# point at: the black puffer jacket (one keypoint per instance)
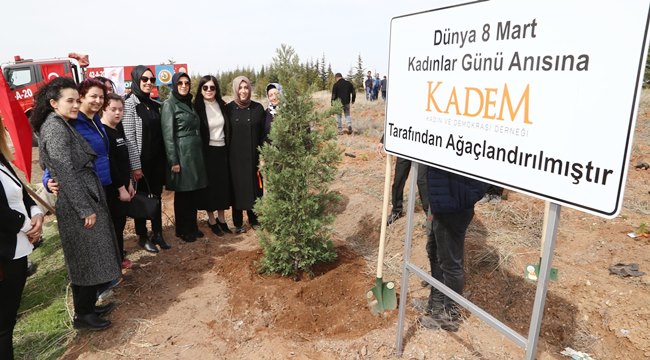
(450, 192)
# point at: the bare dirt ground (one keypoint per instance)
(205, 300)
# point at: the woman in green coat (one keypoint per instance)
(185, 167)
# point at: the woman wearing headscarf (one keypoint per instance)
(20, 227)
(214, 126)
(88, 239)
(246, 134)
(273, 92)
(144, 139)
(183, 146)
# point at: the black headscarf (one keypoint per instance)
(136, 74)
(187, 99)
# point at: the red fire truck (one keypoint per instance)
(26, 76)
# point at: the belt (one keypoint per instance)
(185, 133)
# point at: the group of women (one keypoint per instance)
(99, 150)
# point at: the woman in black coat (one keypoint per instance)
(214, 126)
(20, 227)
(246, 134)
(143, 131)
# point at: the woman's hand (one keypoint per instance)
(53, 186)
(90, 221)
(380, 149)
(131, 190)
(137, 174)
(176, 168)
(123, 194)
(34, 233)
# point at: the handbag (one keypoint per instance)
(144, 205)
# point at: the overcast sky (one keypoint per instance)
(208, 35)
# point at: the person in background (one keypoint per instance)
(20, 227)
(214, 126)
(343, 91)
(383, 84)
(110, 85)
(245, 136)
(122, 186)
(375, 87)
(144, 140)
(88, 240)
(368, 86)
(273, 92)
(451, 202)
(402, 170)
(185, 165)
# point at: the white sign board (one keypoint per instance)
(539, 96)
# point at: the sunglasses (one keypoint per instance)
(145, 79)
(209, 88)
(183, 83)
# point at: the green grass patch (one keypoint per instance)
(43, 329)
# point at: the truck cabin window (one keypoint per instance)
(19, 77)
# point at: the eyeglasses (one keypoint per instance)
(209, 88)
(183, 83)
(145, 79)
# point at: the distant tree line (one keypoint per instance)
(315, 74)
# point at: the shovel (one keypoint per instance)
(382, 296)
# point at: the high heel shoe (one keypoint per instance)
(157, 238)
(216, 229)
(224, 227)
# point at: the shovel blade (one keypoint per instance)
(382, 297)
(388, 296)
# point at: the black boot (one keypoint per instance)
(146, 244)
(157, 239)
(224, 227)
(91, 322)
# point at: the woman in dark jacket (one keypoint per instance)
(21, 226)
(214, 126)
(185, 166)
(246, 134)
(88, 239)
(146, 150)
(120, 192)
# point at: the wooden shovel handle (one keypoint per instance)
(384, 217)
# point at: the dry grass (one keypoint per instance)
(583, 339)
(525, 217)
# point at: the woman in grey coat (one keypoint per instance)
(87, 236)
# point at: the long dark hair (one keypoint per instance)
(50, 91)
(199, 106)
(198, 99)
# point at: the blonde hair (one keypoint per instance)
(4, 147)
